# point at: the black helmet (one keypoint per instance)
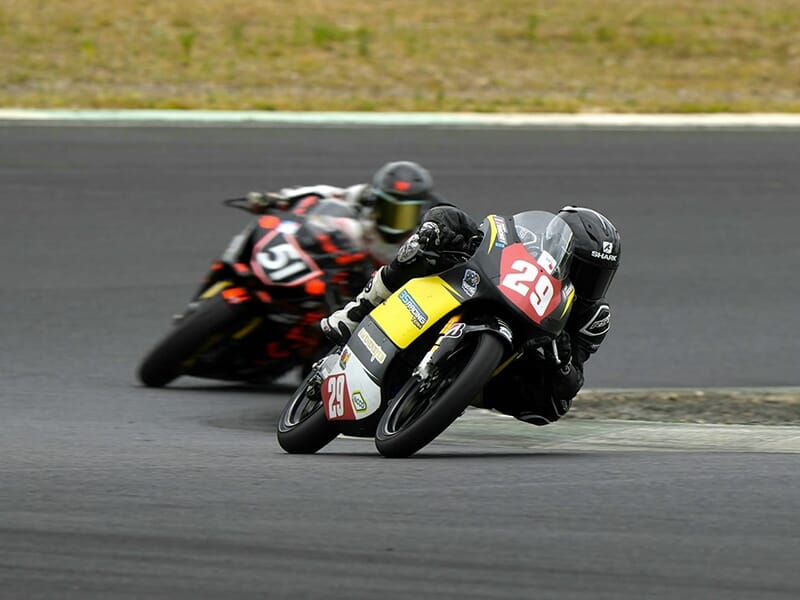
(596, 251)
(400, 193)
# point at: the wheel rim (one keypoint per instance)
(303, 404)
(411, 402)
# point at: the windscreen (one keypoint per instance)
(548, 239)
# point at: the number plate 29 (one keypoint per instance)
(527, 285)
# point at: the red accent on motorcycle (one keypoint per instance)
(527, 285)
(269, 222)
(315, 287)
(402, 186)
(350, 258)
(305, 204)
(336, 398)
(327, 244)
(312, 318)
(275, 350)
(236, 295)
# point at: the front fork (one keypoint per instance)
(450, 337)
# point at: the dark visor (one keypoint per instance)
(591, 282)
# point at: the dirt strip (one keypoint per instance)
(769, 406)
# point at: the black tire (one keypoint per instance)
(413, 420)
(303, 427)
(165, 361)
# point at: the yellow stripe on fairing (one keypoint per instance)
(511, 358)
(492, 232)
(247, 329)
(433, 296)
(570, 298)
(459, 296)
(215, 289)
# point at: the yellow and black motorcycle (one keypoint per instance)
(420, 358)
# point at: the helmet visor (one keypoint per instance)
(396, 216)
(591, 282)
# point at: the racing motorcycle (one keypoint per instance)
(420, 358)
(256, 314)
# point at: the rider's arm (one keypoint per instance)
(587, 326)
(540, 393)
(288, 198)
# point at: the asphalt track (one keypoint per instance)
(109, 490)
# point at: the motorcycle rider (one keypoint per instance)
(539, 386)
(387, 210)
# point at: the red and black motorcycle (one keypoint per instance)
(257, 312)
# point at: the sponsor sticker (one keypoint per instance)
(418, 316)
(608, 247)
(358, 401)
(502, 232)
(344, 357)
(470, 282)
(455, 330)
(375, 351)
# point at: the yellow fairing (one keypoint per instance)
(414, 308)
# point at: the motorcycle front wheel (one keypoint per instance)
(303, 427)
(198, 329)
(418, 414)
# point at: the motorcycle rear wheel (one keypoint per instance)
(415, 417)
(303, 427)
(164, 362)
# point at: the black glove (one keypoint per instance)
(435, 236)
(559, 352)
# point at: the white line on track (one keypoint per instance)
(580, 120)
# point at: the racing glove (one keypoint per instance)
(434, 236)
(558, 354)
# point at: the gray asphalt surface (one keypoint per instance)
(110, 490)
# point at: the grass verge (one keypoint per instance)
(415, 55)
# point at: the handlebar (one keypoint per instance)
(436, 255)
(240, 203)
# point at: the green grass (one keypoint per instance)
(464, 55)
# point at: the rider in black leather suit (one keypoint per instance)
(540, 385)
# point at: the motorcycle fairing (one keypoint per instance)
(349, 391)
(374, 349)
(498, 251)
(526, 283)
(414, 308)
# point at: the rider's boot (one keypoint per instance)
(339, 326)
